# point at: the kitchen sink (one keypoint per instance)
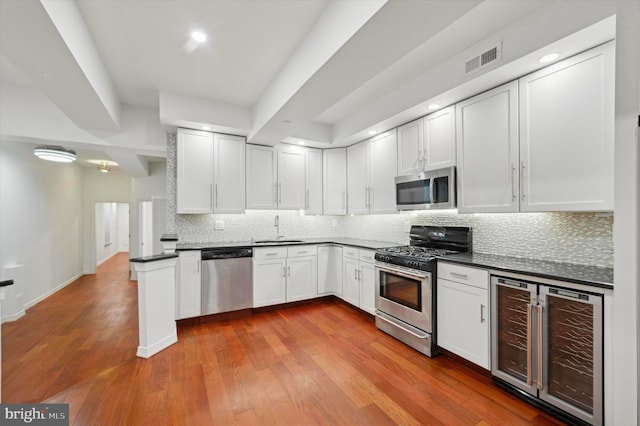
(277, 241)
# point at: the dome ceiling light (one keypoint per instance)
(104, 168)
(55, 153)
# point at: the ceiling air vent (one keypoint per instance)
(483, 59)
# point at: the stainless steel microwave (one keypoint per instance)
(435, 189)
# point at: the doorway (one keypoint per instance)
(111, 230)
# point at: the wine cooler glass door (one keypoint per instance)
(572, 352)
(512, 341)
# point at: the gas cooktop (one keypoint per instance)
(426, 244)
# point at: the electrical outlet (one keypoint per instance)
(218, 225)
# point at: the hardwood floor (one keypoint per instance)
(322, 363)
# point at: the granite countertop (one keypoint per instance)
(365, 244)
(153, 258)
(580, 274)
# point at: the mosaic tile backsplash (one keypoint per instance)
(581, 238)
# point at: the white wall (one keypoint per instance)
(123, 227)
(112, 187)
(106, 216)
(40, 219)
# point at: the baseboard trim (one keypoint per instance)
(52, 291)
(107, 258)
(14, 317)
(146, 352)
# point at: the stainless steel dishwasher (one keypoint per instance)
(227, 279)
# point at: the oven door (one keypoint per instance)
(405, 294)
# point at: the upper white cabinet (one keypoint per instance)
(371, 169)
(566, 134)
(313, 201)
(229, 175)
(194, 174)
(276, 177)
(334, 176)
(428, 143)
(487, 151)
(261, 167)
(291, 177)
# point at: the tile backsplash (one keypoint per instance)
(581, 238)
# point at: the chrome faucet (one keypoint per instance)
(277, 225)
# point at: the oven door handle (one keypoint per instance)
(402, 326)
(402, 273)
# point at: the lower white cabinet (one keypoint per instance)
(188, 284)
(463, 314)
(330, 270)
(284, 274)
(359, 278)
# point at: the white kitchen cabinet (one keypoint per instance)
(463, 314)
(291, 177)
(284, 274)
(229, 174)
(334, 176)
(261, 173)
(487, 151)
(313, 170)
(359, 278)
(330, 270)
(566, 134)
(410, 142)
(189, 284)
(371, 169)
(269, 276)
(428, 143)
(194, 172)
(439, 143)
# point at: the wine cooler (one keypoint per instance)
(547, 342)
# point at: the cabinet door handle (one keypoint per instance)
(355, 271)
(275, 193)
(522, 194)
(288, 271)
(481, 312)
(539, 332)
(529, 343)
(211, 195)
(366, 196)
(280, 192)
(271, 254)
(459, 275)
(215, 191)
(513, 182)
(284, 271)
(344, 200)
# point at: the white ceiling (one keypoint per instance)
(114, 75)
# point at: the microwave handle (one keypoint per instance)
(432, 181)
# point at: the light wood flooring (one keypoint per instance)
(323, 363)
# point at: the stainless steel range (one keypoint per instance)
(405, 281)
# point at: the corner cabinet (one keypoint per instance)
(428, 143)
(567, 133)
(291, 177)
(487, 145)
(194, 172)
(313, 179)
(188, 285)
(463, 314)
(371, 169)
(229, 175)
(334, 176)
(330, 270)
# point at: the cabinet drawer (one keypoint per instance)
(350, 252)
(367, 256)
(298, 251)
(270, 253)
(464, 275)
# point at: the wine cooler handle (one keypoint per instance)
(539, 318)
(530, 308)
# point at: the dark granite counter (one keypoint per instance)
(580, 274)
(153, 258)
(6, 283)
(365, 244)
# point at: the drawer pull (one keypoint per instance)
(459, 275)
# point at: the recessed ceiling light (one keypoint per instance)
(372, 132)
(548, 58)
(199, 36)
(55, 153)
(300, 142)
(206, 128)
(104, 168)
(100, 161)
(433, 107)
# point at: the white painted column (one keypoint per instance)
(156, 304)
(621, 358)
